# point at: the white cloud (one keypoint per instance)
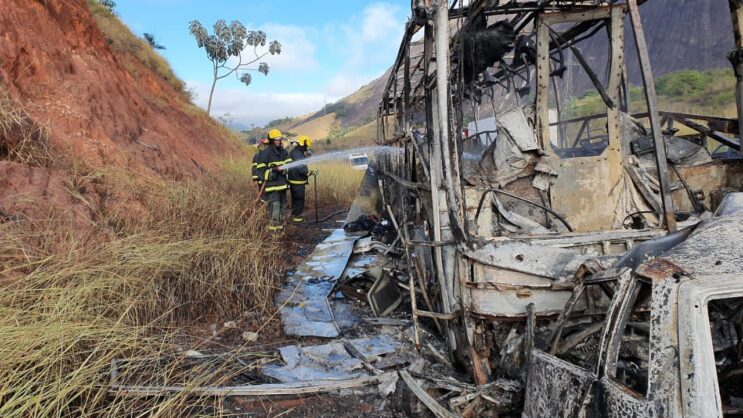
(344, 83)
(369, 42)
(379, 21)
(297, 50)
(248, 106)
(382, 26)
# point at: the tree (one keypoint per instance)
(109, 5)
(229, 42)
(226, 119)
(150, 38)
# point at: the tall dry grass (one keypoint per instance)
(22, 139)
(337, 184)
(162, 255)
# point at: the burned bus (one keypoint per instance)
(540, 190)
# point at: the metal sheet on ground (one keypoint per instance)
(303, 299)
(330, 361)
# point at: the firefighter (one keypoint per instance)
(261, 145)
(298, 176)
(270, 161)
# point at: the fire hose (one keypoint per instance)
(314, 175)
(260, 193)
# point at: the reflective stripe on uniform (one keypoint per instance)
(259, 165)
(276, 188)
(275, 163)
(275, 227)
(297, 220)
(298, 181)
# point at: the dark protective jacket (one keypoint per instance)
(267, 160)
(254, 168)
(299, 174)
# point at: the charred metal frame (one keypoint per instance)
(420, 112)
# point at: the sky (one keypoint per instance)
(330, 48)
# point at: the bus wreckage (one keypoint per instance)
(594, 257)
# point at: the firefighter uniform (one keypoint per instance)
(297, 178)
(276, 182)
(261, 145)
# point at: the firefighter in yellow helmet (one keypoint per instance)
(261, 145)
(298, 176)
(270, 161)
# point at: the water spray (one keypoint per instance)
(343, 155)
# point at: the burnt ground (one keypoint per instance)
(213, 338)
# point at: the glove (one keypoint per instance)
(277, 169)
(314, 173)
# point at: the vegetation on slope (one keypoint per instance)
(337, 184)
(175, 253)
(132, 48)
(709, 92)
(162, 256)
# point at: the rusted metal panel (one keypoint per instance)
(587, 189)
(659, 269)
(708, 177)
(483, 225)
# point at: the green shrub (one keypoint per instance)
(682, 83)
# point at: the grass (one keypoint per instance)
(22, 139)
(359, 137)
(337, 184)
(709, 92)
(132, 48)
(316, 128)
(163, 255)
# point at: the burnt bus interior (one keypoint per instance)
(508, 194)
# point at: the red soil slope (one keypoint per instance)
(57, 65)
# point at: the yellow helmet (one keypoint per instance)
(304, 141)
(274, 133)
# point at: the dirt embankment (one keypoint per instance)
(91, 106)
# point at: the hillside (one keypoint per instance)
(343, 124)
(79, 91)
